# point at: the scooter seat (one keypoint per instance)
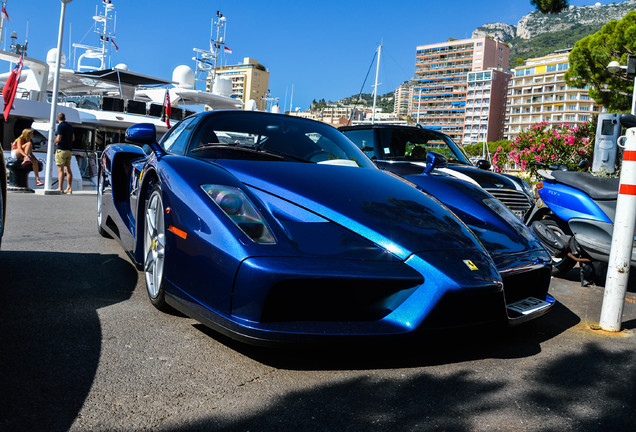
(598, 188)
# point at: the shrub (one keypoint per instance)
(551, 145)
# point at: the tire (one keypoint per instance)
(2, 212)
(564, 264)
(100, 201)
(154, 249)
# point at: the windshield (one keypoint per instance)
(236, 134)
(405, 143)
(410, 143)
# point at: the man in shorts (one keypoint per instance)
(63, 146)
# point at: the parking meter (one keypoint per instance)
(608, 130)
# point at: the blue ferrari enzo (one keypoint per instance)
(271, 228)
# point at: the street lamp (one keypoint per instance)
(56, 82)
(615, 67)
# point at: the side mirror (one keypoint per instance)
(628, 121)
(141, 133)
(483, 164)
(435, 160)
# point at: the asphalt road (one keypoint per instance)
(82, 349)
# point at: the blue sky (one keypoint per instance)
(321, 49)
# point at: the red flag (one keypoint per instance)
(116, 47)
(11, 86)
(168, 108)
(227, 50)
(5, 15)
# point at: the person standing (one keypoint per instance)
(63, 146)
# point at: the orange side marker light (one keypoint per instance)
(178, 232)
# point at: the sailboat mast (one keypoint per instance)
(375, 87)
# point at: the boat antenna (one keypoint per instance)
(206, 61)
(107, 40)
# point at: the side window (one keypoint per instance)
(363, 138)
(177, 139)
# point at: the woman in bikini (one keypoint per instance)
(22, 149)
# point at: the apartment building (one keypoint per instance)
(403, 100)
(250, 81)
(485, 106)
(441, 80)
(538, 93)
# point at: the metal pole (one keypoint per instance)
(622, 240)
(4, 3)
(375, 87)
(634, 98)
(56, 81)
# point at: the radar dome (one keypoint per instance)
(250, 105)
(183, 76)
(222, 86)
(51, 58)
(122, 66)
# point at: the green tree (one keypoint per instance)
(592, 54)
(550, 6)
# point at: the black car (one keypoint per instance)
(402, 149)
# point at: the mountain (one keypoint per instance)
(537, 23)
(538, 34)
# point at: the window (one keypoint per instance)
(171, 143)
(363, 139)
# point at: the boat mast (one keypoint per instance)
(375, 87)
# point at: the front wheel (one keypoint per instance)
(100, 203)
(563, 264)
(155, 249)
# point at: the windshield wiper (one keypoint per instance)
(253, 148)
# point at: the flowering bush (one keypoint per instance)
(556, 145)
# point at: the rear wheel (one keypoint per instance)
(561, 264)
(155, 248)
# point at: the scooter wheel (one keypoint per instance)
(563, 264)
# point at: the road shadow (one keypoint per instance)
(594, 275)
(427, 349)
(591, 390)
(50, 333)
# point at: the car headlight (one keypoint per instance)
(237, 206)
(527, 188)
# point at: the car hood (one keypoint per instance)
(486, 179)
(376, 205)
(500, 231)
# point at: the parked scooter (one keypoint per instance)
(575, 218)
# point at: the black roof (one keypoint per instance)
(118, 76)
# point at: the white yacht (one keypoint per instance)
(101, 102)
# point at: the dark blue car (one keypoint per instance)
(273, 228)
